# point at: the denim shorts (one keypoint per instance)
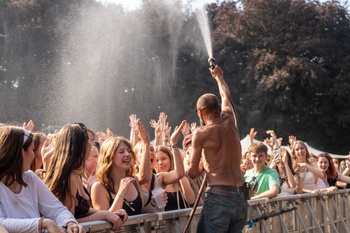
(223, 214)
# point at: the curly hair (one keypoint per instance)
(105, 161)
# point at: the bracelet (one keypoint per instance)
(41, 224)
(120, 195)
(174, 146)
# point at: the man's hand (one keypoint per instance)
(216, 72)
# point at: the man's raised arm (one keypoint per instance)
(226, 100)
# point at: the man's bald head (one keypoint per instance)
(208, 102)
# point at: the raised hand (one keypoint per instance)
(193, 127)
(166, 129)
(292, 139)
(284, 156)
(142, 132)
(103, 136)
(133, 121)
(186, 130)
(47, 150)
(30, 126)
(216, 72)
(252, 134)
(162, 118)
(175, 135)
(154, 124)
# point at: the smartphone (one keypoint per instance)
(277, 153)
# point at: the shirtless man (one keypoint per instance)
(225, 206)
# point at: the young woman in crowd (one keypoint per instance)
(27, 205)
(153, 183)
(117, 185)
(289, 179)
(171, 174)
(331, 176)
(308, 171)
(64, 176)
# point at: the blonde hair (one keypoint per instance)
(105, 161)
(294, 156)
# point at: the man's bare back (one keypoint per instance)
(217, 143)
(221, 151)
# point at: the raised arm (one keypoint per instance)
(145, 164)
(196, 168)
(179, 171)
(133, 122)
(226, 100)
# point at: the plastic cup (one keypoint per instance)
(158, 197)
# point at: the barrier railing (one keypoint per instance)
(311, 212)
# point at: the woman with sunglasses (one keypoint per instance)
(27, 205)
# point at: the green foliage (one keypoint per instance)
(297, 54)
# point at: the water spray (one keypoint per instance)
(212, 62)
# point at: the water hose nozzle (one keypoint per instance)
(212, 62)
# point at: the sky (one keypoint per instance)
(133, 4)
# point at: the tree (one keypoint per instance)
(297, 54)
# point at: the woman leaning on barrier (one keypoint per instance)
(331, 176)
(64, 176)
(117, 186)
(27, 205)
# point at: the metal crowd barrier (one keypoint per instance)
(305, 213)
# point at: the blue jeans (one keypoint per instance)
(223, 214)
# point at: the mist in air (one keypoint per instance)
(113, 63)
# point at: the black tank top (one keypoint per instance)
(172, 201)
(83, 207)
(131, 207)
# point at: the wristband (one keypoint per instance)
(174, 146)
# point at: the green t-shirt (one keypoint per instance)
(264, 180)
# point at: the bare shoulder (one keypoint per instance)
(97, 187)
(200, 132)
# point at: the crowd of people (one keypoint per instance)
(272, 170)
(54, 182)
